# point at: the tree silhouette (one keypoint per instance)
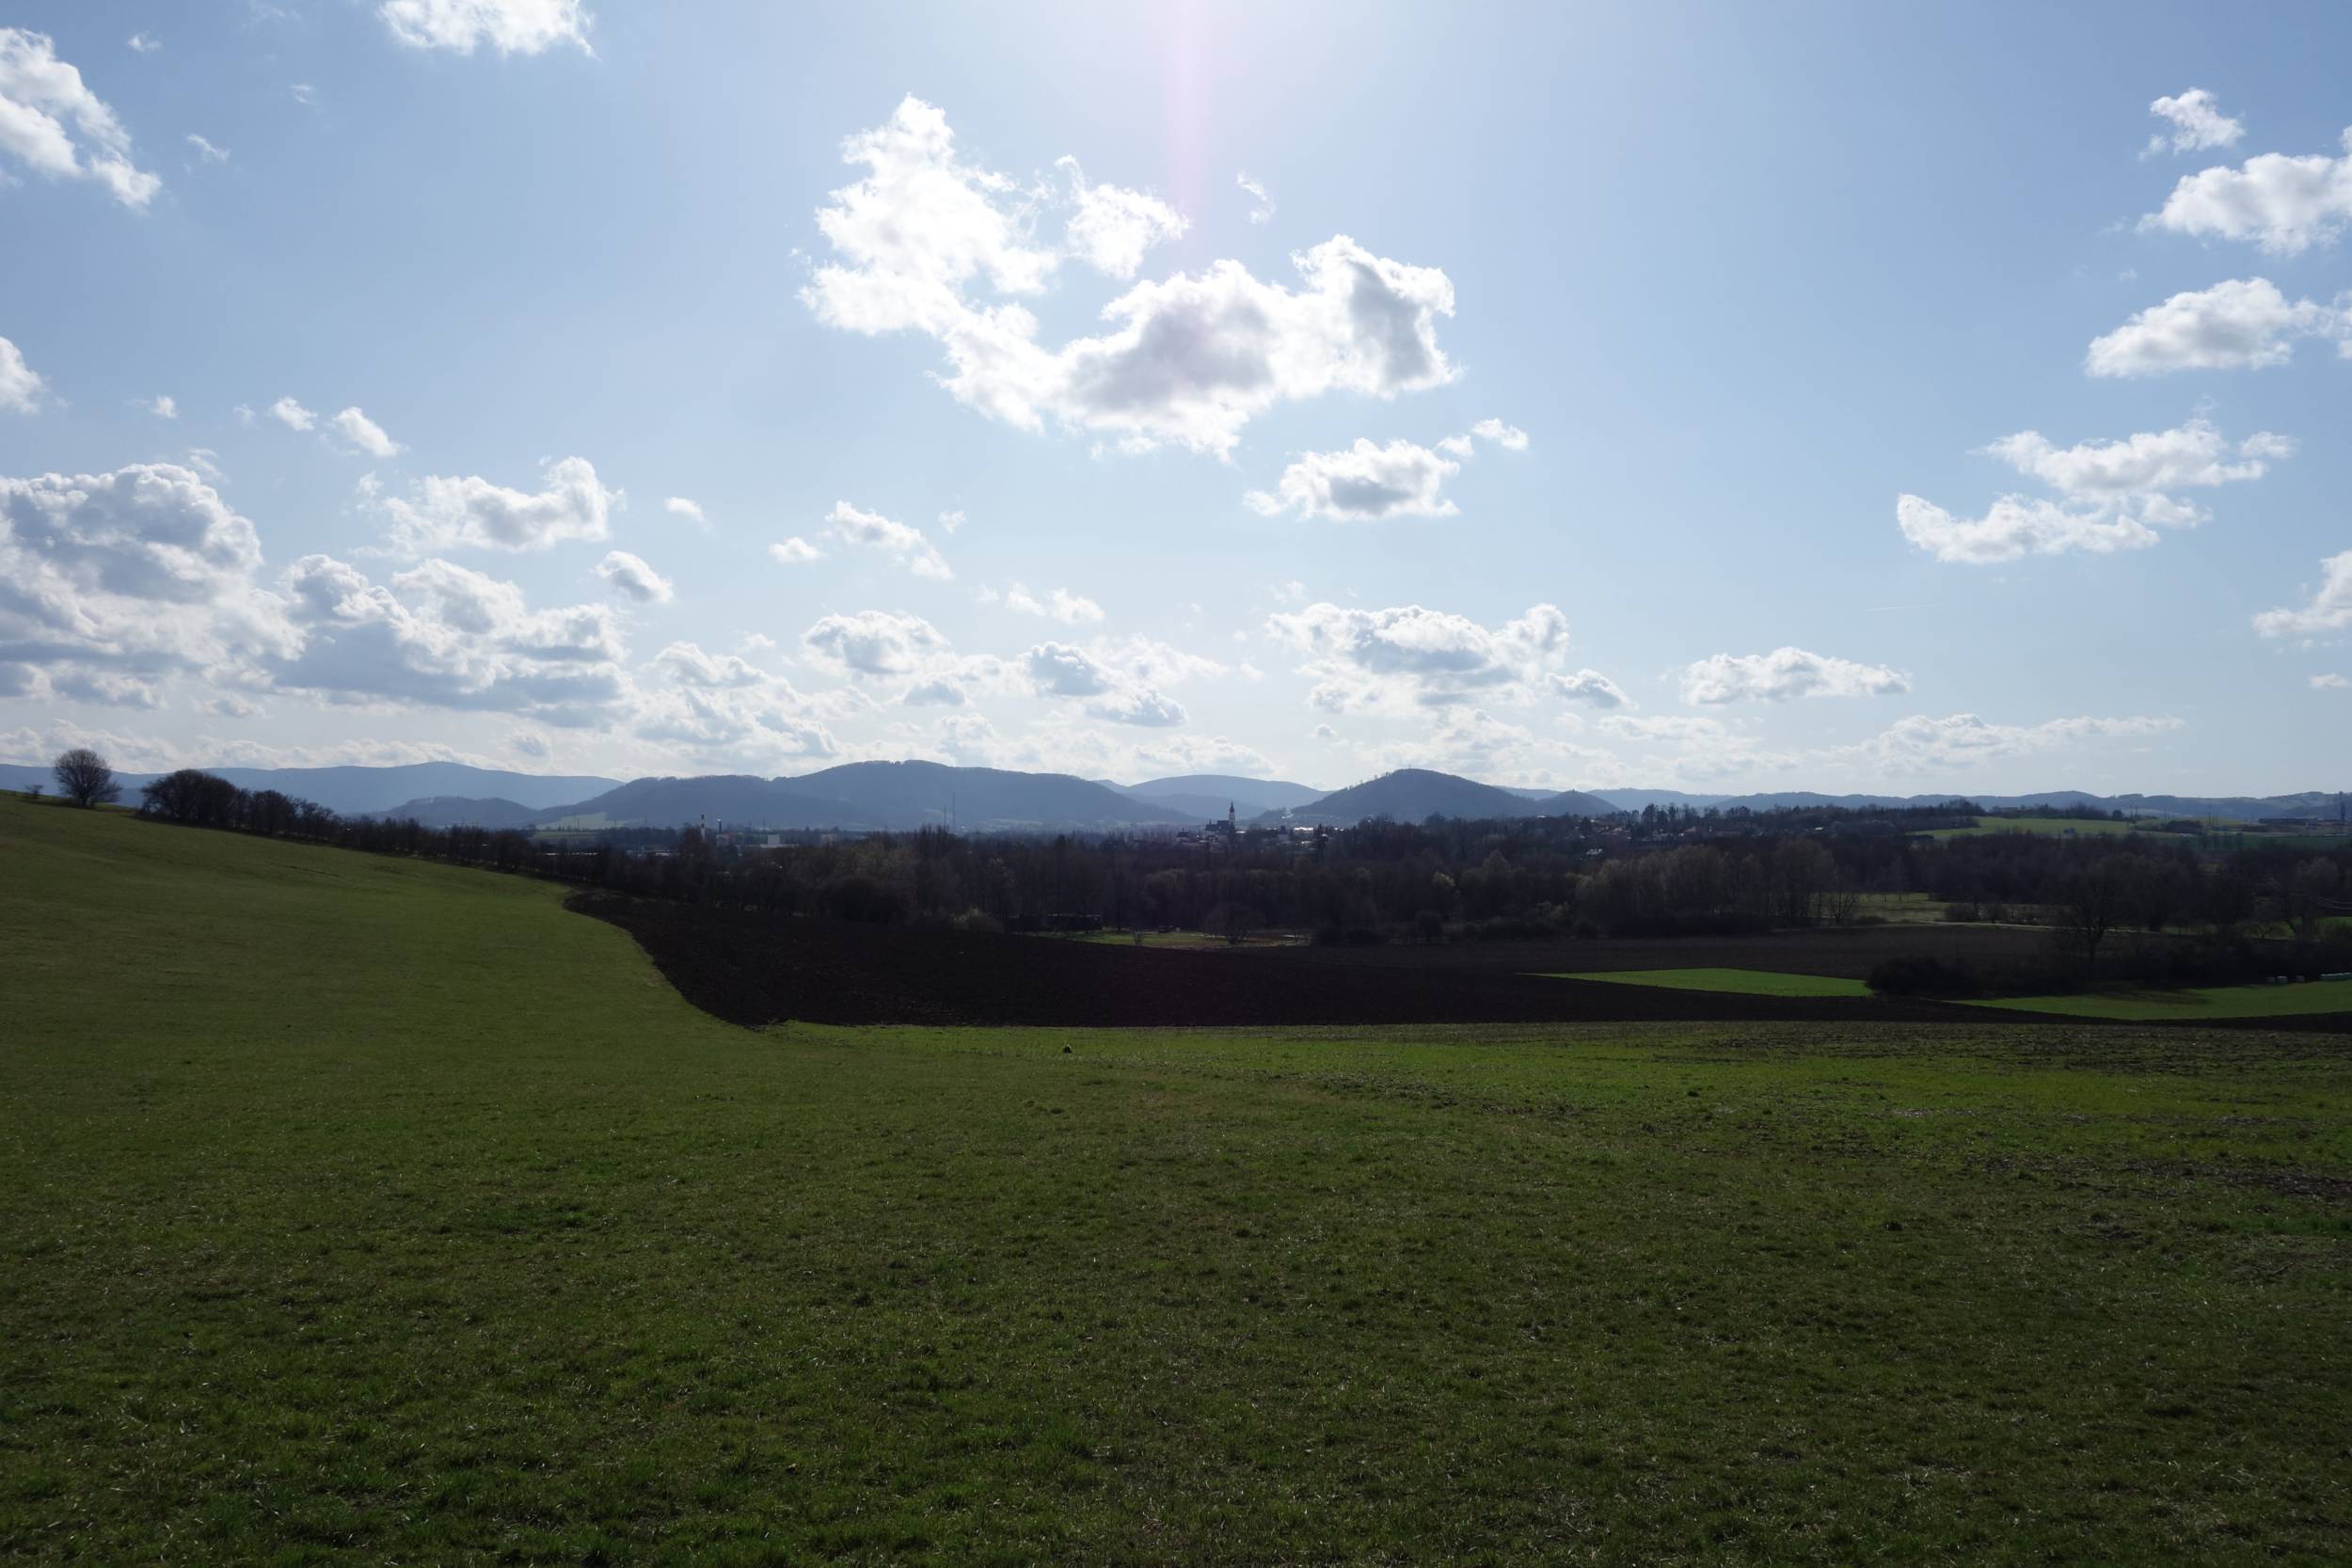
(85, 779)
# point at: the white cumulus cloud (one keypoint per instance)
(1360, 482)
(286, 411)
(21, 385)
(55, 126)
(1784, 674)
(873, 644)
(2243, 324)
(1188, 360)
(795, 552)
(140, 572)
(2110, 496)
(1408, 660)
(901, 542)
(2284, 204)
(364, 435)
(2198, 123)
(472, 512)
(630, 576)
(1111, 228)
(509, 26)
(2329, 609)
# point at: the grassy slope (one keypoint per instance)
(2217, 1001)
(1745, 982)
(359, 1211)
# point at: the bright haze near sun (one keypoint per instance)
(1875, 397)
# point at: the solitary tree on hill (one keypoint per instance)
(84, 778)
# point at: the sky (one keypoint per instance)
(1834, 397)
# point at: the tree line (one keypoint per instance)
(1662, 874)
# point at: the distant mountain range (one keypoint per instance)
(2235, 808)
(868, 796)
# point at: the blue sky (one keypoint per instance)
(1832, 397)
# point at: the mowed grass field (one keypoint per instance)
(1744, 982)
(2216, 1002)
(361, 1211)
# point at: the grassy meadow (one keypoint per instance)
(2208, 1002)
(361, 1211)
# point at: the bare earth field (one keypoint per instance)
(755, 969)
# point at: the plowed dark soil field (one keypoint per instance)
(754, 969)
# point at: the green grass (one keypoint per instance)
(2038, 825)
(1746, 982)
(2215, 1001)
(362, 1210)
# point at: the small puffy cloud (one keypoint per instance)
(2331, 682)
(206, 151)
(286, 411)
(951, 520)
(2016, 526)
(1362, 482)
(2241, 323)
(901, 542)
(873, 644)
(2198, 124)
(1510, 437)
(1188, 360)
(509, 26)
(364, 435)
(144, 44)
(302, 92)
(56, 127)
(21, 385)
(1061, 670)
(472, 512)
(795, 552)
(1591, 689)
(2329, 609)
(1262, 205)
(2191, 455)
(688, 665)
(1145, 707)
(2110, 496)
(1784, 674)
(1110, 228)
(629, 576)
(2284, 204)
(164, 406)
(1408, 660)
(1060, 605)
(678, 506)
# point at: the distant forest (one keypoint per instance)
(1664, 871)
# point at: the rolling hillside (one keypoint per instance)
(1410, 795)
(919, 794)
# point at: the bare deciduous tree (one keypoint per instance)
(84, 778)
